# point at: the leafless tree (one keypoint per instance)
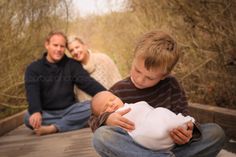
(23, 25)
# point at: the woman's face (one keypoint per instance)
(78, 51)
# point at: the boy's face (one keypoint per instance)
(55, 48)
(143, 78)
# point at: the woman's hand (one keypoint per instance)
(181, 135)
(117, 119)
(35, 120)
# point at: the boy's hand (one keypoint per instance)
(35, 120)
(117, 119)
(181, 135)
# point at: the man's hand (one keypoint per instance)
(35, 120)
(181, 135)
(117, 119)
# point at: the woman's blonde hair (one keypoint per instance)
(75, 38)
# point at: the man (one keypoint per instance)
(49, 84)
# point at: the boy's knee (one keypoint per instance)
(101, 132)
(98, 138)
(216, 132)
(220, 133)
(102, 135)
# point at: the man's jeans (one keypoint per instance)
(74, 117)
(115, 142)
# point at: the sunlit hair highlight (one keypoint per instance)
(75, 38)
(158, 49)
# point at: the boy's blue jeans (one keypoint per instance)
(112, 141)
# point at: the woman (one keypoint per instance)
(99, 65)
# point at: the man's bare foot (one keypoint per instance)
(44, 130)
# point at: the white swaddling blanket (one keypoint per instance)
(152, 125)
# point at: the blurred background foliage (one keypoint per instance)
(204, 29)
(24, 25)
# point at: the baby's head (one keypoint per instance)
(105, 101)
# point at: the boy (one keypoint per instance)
(155, 56)
(148, 133)
(49, 84)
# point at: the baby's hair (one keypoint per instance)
(95, 101)
(158, 49)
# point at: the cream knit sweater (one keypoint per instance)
(102, 68)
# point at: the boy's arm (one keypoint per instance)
(196, 132)
(112, 119)
(180, 105)
(95, 122)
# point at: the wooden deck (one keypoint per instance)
(22, 143)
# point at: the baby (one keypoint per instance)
(152, 125)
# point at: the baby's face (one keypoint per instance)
(112, 103)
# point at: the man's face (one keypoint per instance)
(143, 78)
(56, 48)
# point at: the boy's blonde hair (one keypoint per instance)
(158, 49)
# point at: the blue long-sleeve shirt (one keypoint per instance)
(50, 86)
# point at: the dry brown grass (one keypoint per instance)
(205, 31)
(24, 25)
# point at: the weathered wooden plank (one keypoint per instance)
(11, 122)
(202, 114)
(226, 118)
(70, 144)
(22, 143)
(227, 122)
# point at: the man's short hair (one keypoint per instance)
(52, 33)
